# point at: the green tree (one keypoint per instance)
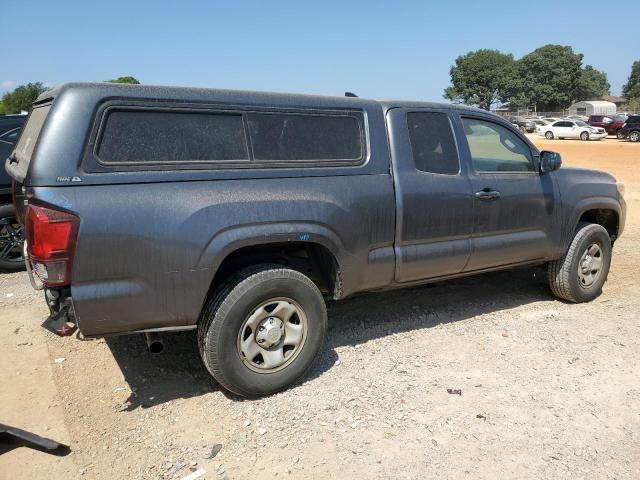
(591, 85)
(479, 78)
(21, 98)
(129, 79)
(548, 77)
(631, 89)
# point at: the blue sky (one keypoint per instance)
(400, 50)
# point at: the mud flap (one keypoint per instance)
(60, 322)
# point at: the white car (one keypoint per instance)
(571, 129)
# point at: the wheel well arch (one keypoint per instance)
(606, 217)
(309, 258)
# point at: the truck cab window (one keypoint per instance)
(434, 149)
(494, 148)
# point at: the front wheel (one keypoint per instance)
(262, 330)
(580, 274)
(634, 136)
(11, 240)
(548, 135)
(584, 136)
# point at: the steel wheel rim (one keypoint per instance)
(590, 265)
(11, 240)
(549, 135)
(273, 335)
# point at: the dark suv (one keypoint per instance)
(611, 123)
(237, 214)
(631, 128)
(524, 124)
(11, 257)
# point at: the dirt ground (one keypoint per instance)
(549, 389)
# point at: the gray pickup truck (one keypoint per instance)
(155, 209)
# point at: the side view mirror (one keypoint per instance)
(549, 161)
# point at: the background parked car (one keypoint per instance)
(11, 237)
(524, 124)
(631, 128)
(572, 129)
(611, 123)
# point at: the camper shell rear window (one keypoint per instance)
(29, 136)
(137, 137)
(27, 141)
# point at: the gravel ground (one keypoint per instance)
(547, 389)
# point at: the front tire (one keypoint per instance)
(11, 240)
(580, 274)
(634, 136)
(262, 330)
(584, 136)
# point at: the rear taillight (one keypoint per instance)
(51, 240)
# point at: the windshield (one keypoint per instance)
(580, 123)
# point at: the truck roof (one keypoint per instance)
(196, 94)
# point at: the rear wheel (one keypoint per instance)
(262, 330)
(11, 240)
(634, 136)
(619, 134)
(580, 274)
(549, 135)
(584, 136)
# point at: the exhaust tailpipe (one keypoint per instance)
(154, 342)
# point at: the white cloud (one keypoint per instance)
(6, 84)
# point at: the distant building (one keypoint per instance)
(593, 107)
(621, 102)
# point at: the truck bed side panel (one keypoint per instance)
(146, 254)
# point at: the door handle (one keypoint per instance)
(487, 194)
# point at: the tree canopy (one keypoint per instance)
(21, 98)
(128, 79)
(480, 77)
(631, 89)
(551, 77)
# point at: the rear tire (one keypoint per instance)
(619, 134)
(11, 240)
(548, 135)
(249, 311)
(584, 136)
(580, 274)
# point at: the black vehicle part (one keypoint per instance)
(11, 240)
(11, 437)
